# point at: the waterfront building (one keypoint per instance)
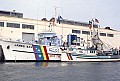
(14, 27)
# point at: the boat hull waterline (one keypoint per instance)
(29, 52)
(15, 51)
(69, 58)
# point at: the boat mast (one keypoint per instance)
(94, 34)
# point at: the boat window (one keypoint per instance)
(90, 51)
(29, 46)
(48, 37)
(78, 39)
(71, 49)
(20, 45)
(78, 44)
(23, 46)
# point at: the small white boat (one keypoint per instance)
(90, 57)
(98, 52)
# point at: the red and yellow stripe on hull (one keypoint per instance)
(40, 52)
(69, 56)
(44, 52)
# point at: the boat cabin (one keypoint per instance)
(49, 38)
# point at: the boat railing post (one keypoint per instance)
(15, 58)
(27, 59)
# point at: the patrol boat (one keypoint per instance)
(46, 48)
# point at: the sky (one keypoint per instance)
(106, 11)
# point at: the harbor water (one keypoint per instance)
(60, 71)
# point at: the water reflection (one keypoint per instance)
(60, 64)
(51, 64)
(36, 64)
(60, 71)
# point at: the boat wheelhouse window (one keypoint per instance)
(1, 24)
(78, 44)
(14, 25)
(110, 35)
(78, 39)
(76, 31)
(48, 37)
(25, 26)
(102, 34)
(86, 32)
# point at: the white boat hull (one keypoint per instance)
(16, 51)
(25, 52)
(69, 58)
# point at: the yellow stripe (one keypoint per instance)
(43, 53)
(69, 57)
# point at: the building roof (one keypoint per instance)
(11, 13)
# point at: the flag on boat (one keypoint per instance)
(59, 19)
(96, 20)
(90, 24)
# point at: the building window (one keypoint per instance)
(86, 32)
(110, 35)
(76, 31)
(14, 25)
(2, 24)
(24, 26)
(102, 34)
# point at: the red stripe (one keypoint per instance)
(68, 56)
(46, 54)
